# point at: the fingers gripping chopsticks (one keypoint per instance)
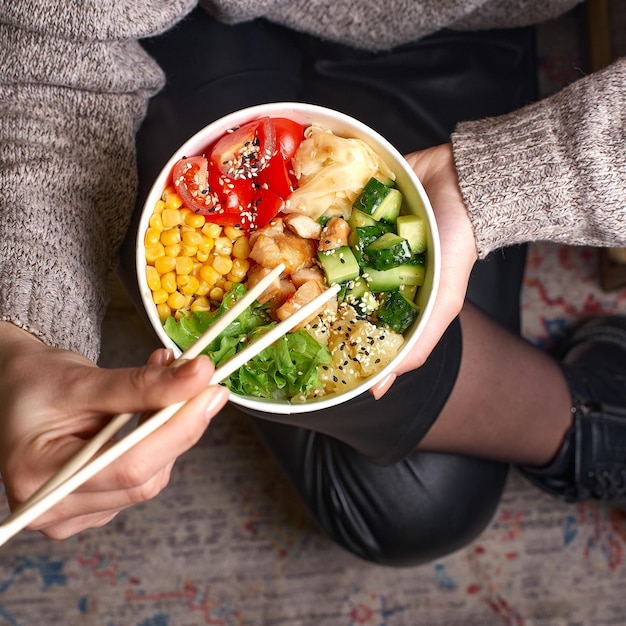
(87, 462)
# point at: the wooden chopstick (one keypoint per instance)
(119, 421)
(34, 508)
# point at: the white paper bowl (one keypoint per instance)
(341, 124)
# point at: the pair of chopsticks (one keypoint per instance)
(79, 469)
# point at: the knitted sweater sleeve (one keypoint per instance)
(74, 84)
(554, 170)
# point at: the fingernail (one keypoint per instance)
(185, 368)
(383, 386)
(218, 399)
(168, 355)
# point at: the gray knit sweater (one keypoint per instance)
(74, 85)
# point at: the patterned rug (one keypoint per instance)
(228, 544)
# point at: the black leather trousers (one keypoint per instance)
(356, 466)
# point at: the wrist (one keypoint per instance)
(13, 337)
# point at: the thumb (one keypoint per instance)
(144, 388)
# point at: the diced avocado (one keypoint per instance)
(413, 229)
(390, 280)
(388, 251)
(397, 312)
(360, 296)
(339, 265)
(361, 237)
(379, 201)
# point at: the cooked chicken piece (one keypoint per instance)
(287, 289)
(304, 294)
(308, 273)
(272, 248)
(303, 225)
(255, 275)
(276, 226)
(334, 234)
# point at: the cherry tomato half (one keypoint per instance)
(244, 151)
(289, 135)
(191, 179)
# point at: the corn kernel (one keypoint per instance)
(193, 238)
(240, 268)
(209, 275)
(233, 233)
(174, 250)
(203, 257)
(194, 220)
(176, 300)
(159, 296)
(165, 264)
(173, 201)
(201, 304)
(170, 217)
(222, 264)
(153, 278)
(170, 237)
(217, 293)
(164, 311)
(223, 246)
(212, 230)
(203, 288)
(187, 250)
(168, 282)
(152, 237)
(156, 222)
(184, 212)
(168, 191)
(152, 254)
(241, 248)
(159, 205)
(207, 244)
(227, 286)
(191, 284)
(184, 265)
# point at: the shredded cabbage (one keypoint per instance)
(331, 172)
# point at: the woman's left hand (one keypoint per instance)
(436, 170)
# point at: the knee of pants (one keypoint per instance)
(412, 512)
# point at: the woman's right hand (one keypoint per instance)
(54, 400)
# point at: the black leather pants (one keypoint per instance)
(356, 467)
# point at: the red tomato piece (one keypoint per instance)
(267, 204)
(191, 180)
(289, 135)
(244, 151)
(276, 177)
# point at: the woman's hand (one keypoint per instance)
(54, 400)
(436, 170)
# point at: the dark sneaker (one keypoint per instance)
(592, 461)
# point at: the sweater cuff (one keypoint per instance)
(552, 171)
(513, 179)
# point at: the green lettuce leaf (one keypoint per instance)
(283, 370)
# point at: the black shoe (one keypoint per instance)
(592, 461)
